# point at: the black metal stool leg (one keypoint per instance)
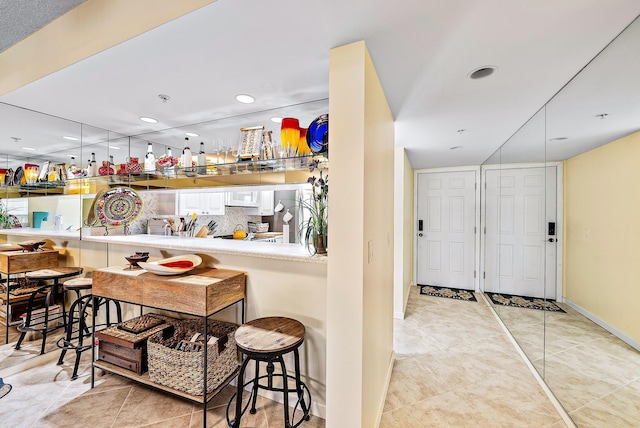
(254, 397)
(303, 405)
(235, 423)
(285, 391)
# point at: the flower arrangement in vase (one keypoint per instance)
(167, 163)
(314, 230)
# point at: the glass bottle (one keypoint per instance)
(93, 166)
(186, 155)
(149, 159)
(202, 160)
(112, 166)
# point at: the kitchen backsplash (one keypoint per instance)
(155, 206)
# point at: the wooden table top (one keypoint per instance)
(54, 273)
(270, 335)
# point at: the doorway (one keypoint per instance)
(522, 225)
(447, 213)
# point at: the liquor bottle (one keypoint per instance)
(112, 166)
(149, 159)
(186, 155)
(93, 166)
(202, 160)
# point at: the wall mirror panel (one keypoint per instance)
(588, 352)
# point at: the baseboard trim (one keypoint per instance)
(386, 389)
(611, 329)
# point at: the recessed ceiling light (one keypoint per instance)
(29, 148)
(455, 147)
(66, 137)
(245, 99)
(114, 147)
(276, 119)
(602, 115)
(148, 119)
(558, 139)
(191, 134)
(71, 156)
(482, 72)
(460, 131)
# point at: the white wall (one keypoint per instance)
(403, 231)
(360, 271)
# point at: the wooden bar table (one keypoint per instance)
(14, 262)
(200, 292)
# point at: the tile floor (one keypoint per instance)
(595, 375)
(455, 367)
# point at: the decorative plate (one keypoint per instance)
(172, 265)
(118, 207)
(318, 134)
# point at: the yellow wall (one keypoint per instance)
(602, 233)
(85, 30)
(403, 231)
(359, 290)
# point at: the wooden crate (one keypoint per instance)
(125, 349)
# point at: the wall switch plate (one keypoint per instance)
(371, 250)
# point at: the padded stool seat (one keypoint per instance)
(267, 340)
(78, 284)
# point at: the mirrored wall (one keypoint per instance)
(562, 230)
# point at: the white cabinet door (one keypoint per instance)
(209, 203)
(266, 202)
(242, 198)
(189, 203)
(214, 203)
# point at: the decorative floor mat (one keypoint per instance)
(451, 293)
(524, 302)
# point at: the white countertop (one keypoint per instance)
(270, 250)
(43, 233)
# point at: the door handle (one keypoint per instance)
(420, 235)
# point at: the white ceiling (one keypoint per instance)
(278, 51)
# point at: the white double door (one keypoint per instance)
(519, 251)
(446, 236)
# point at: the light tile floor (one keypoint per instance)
(595, 375)
(455, 367)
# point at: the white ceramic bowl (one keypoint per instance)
(158, 268)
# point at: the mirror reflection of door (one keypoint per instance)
(521, 253)
(446, 245)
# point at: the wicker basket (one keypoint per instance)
(184, 370)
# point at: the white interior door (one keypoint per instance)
(446, 209)
(520, 253)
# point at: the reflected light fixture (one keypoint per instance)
(245, 99)
(455, 147)
(191, 134)
(29, 148)
(66, 137)
(558, 139)
(148, 119)
(276, 119)
(114, 147)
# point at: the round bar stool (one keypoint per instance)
(40, 323)
(74, 339)
(267, 340)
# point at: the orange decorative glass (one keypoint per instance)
(290, 135)
(303, 147)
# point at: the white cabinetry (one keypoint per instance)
(266, 202)
(243, 198)
(201, 203)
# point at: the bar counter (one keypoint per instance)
(270, 250)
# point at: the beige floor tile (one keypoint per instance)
(155, 405)
(620, 409)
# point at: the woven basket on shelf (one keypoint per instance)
(184, 370)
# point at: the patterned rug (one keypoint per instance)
(524, 302)
(451, 293)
